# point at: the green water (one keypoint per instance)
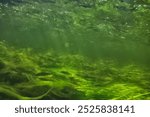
(75, 49)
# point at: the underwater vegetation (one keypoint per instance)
(25, 75)
(75, 49)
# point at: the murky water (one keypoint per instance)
(77, 44)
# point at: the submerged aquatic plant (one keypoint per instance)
(81, 49)
(23, 75)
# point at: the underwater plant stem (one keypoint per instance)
(17, 96)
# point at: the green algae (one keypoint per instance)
(75, 77)
(74, 49)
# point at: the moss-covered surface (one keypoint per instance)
(26, 75)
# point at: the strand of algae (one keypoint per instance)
(14, 94)
(134, 97)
